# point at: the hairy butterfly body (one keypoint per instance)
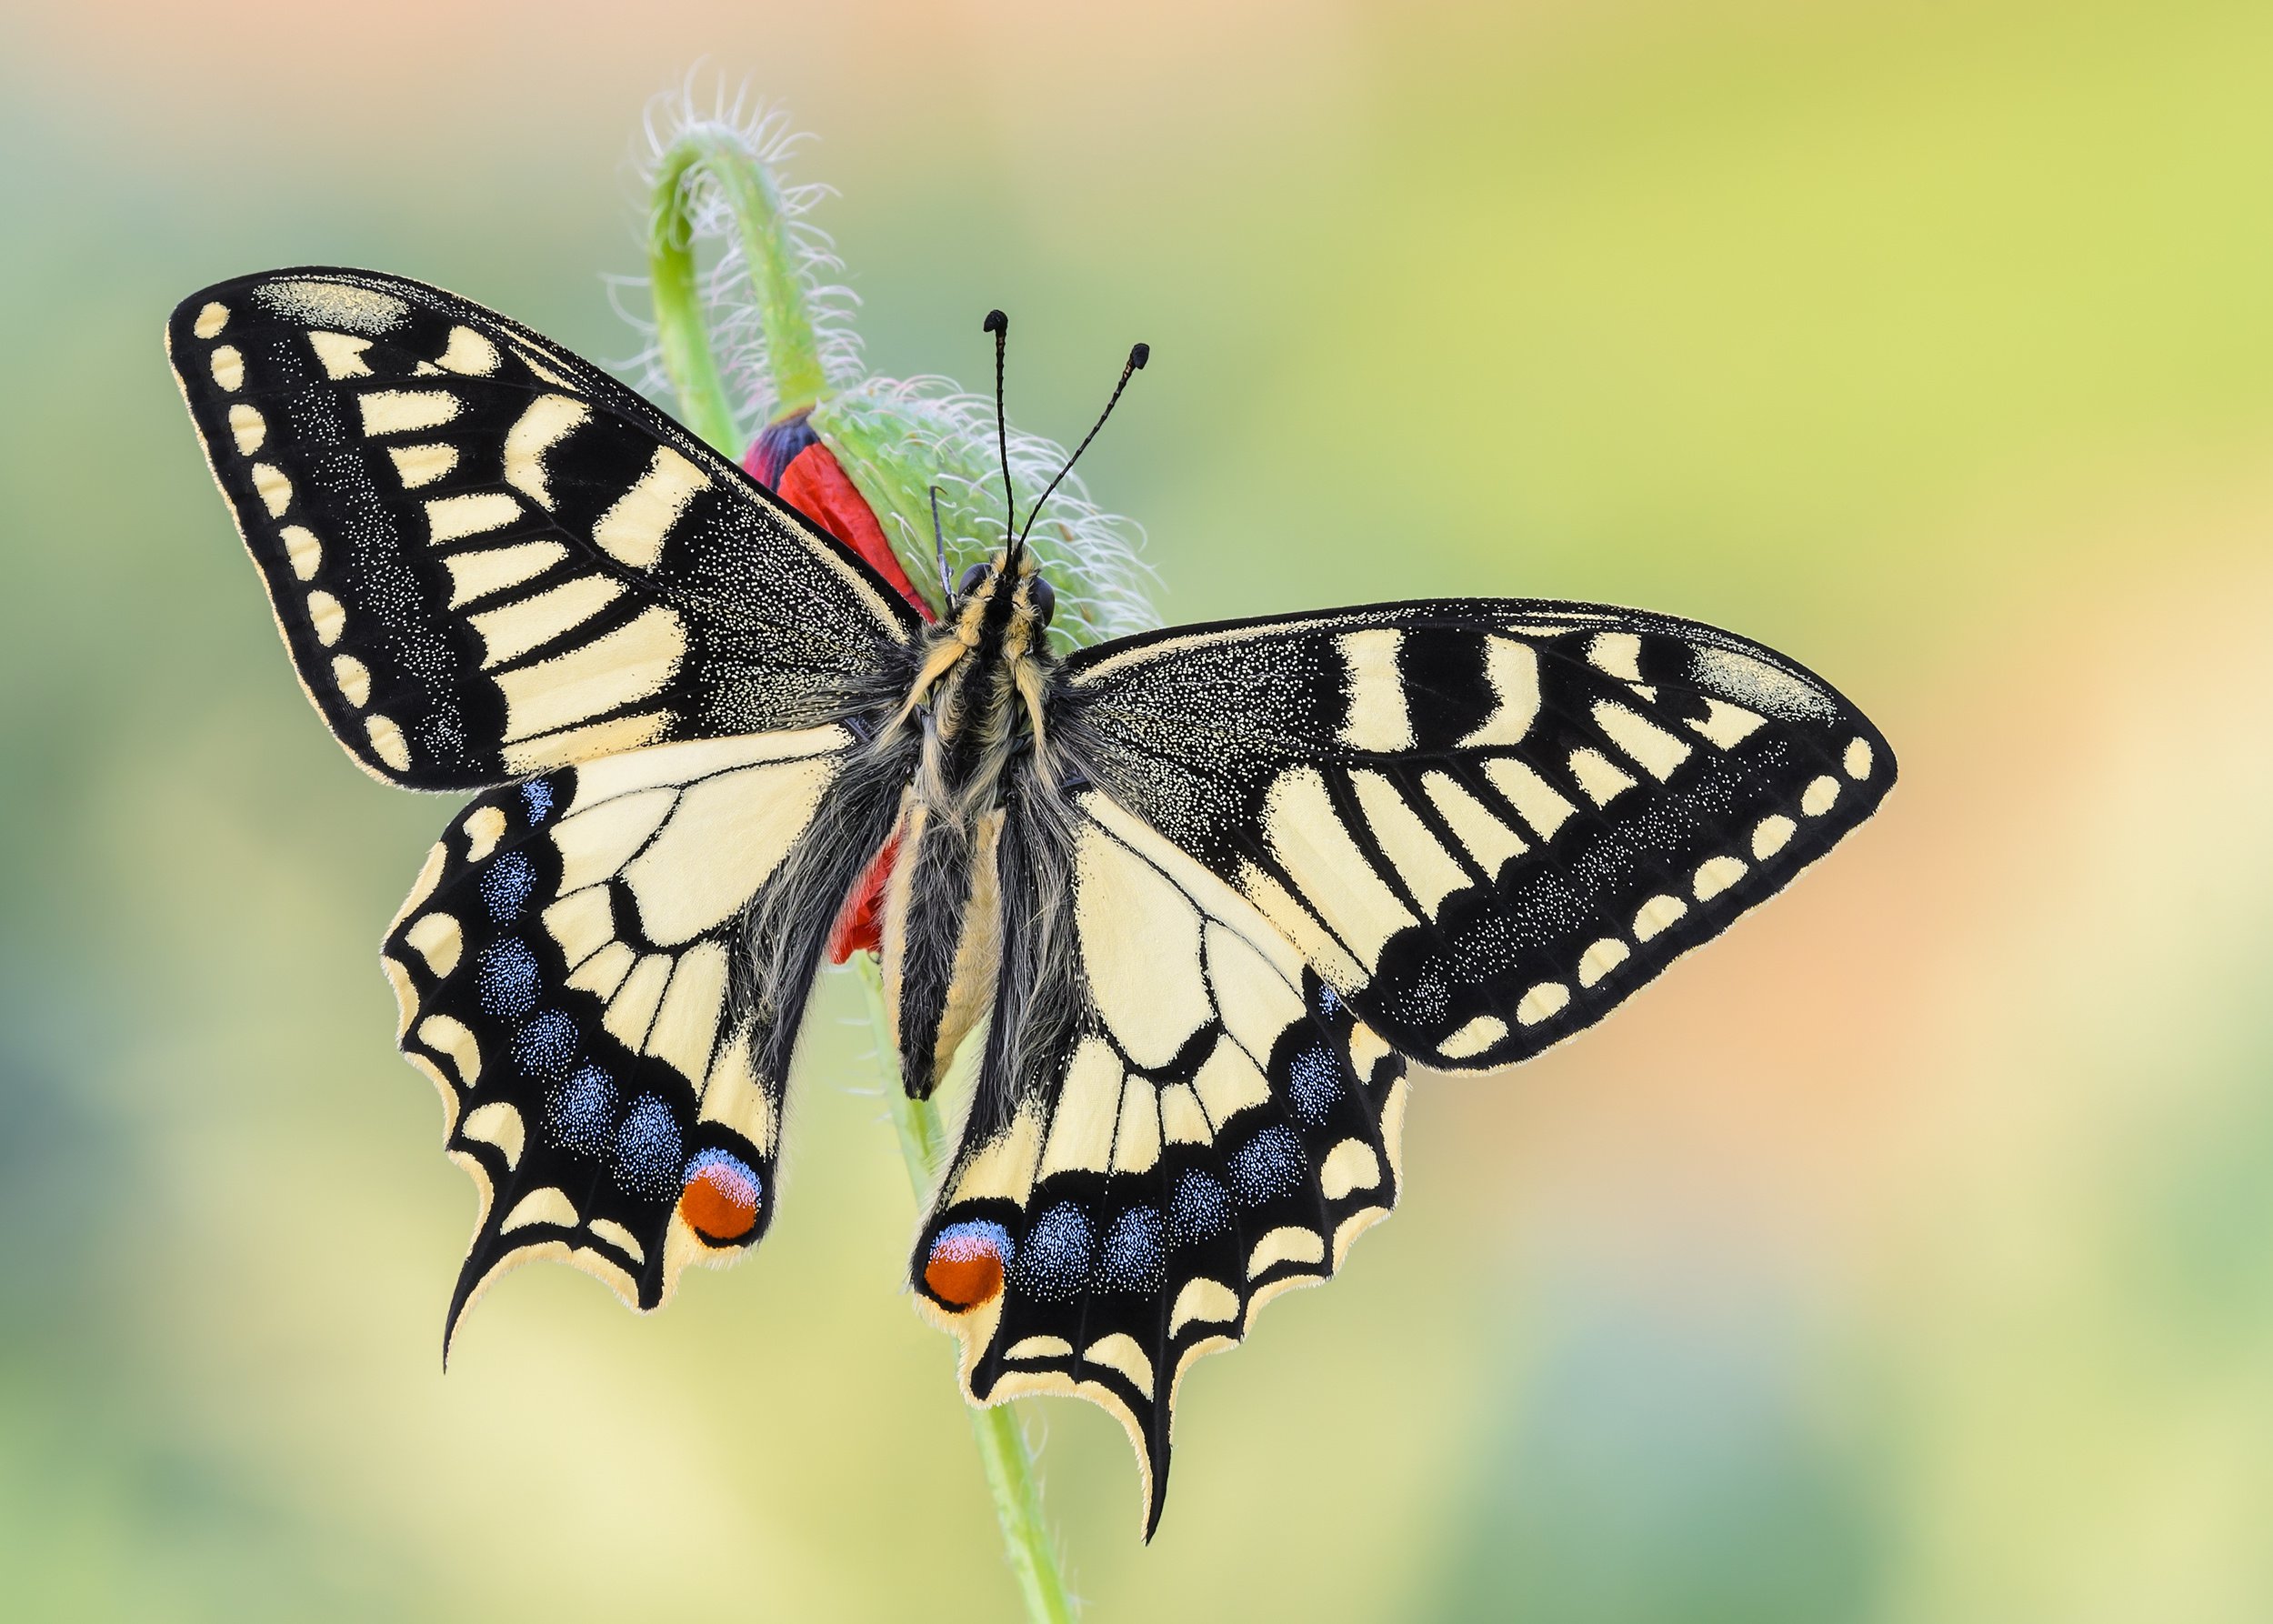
(1200, 894)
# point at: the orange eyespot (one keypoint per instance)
(720, 1202)
(964, 1269)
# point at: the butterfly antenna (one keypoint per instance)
(1138, 357)
(998, 324)
(940, 549)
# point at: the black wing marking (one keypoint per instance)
(572, 969)
(1486, 822)
(1203, 1125)
(487, 557)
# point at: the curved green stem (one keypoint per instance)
(708, 410)
(792, 353)
(1002, 1448)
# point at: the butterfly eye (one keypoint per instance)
(1044, 599)
(971, 578)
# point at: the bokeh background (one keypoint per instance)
(1907, 1256)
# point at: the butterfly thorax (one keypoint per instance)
(978, 698)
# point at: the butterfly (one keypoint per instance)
(1199, 896)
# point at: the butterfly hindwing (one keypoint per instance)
(573, 973)
(487, 557)
(1483, 822)
(1199, 1123)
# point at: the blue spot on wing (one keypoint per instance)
(733, 1167)
(546, 1047)
(1199, 1210)
(1135, 1252)
(537, 795)
(1053, 1264)
(1313, 1082)
(506, 885)
(508, 978)
(1268, 1166)
(972, 1237)
(581, 1111)
(647, 1153)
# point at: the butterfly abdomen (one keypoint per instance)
(941, 941)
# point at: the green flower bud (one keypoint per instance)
(859, 456)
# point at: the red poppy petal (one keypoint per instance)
(860, 927)
(816, 486)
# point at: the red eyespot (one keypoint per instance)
(721, 1196)
(966, 1266)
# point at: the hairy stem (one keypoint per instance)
(1002, 1447)
(709, 411)
(724, 155)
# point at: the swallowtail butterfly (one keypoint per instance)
(1202, 894)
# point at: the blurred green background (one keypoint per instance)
(1908, 1257)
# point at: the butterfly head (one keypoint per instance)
(1003, 589)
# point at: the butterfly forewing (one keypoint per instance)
(1485, 823)
(487, 557)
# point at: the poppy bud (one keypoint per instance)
(790, 460)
